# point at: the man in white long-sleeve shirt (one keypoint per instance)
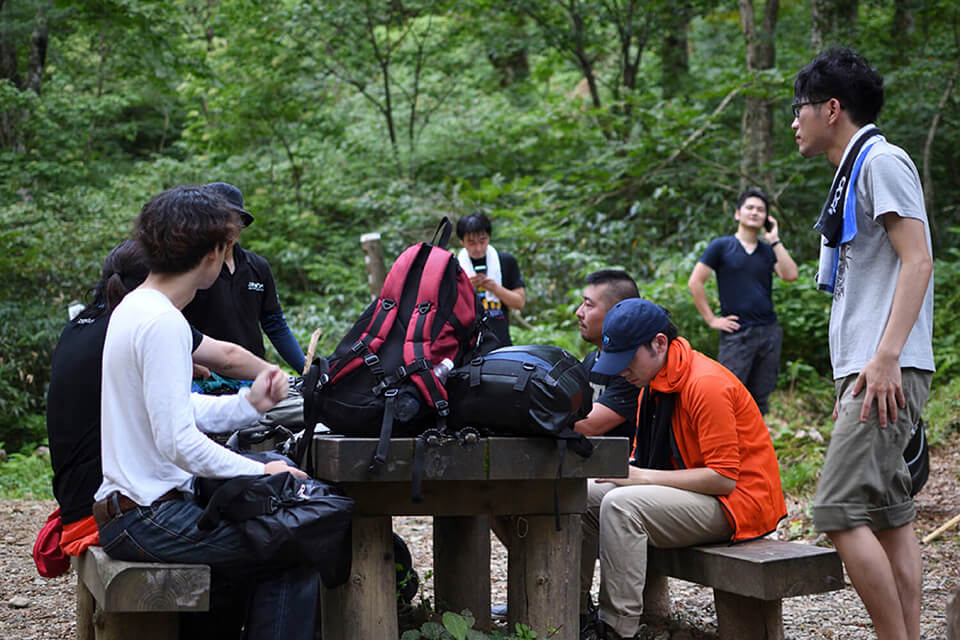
(151, 446)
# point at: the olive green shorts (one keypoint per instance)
(865, 480)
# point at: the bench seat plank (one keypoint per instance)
(120, 586)
(761, 569)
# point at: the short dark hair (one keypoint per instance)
(183, 224)
(124, 269)
(842, 73)
(619, 283)
(474, 223)
(753, 192)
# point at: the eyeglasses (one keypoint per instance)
(799, 105)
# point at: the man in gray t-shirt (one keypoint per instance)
(877, 261)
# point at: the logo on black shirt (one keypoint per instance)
(255, 286)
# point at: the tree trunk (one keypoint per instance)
(512, 66)
(674, 60)
(757, 124)
(832, 22)
(928, 150)
(901, 30)
(582, 58)
(38, 49)
(9, 68)
(511, 60)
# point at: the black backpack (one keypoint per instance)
(380, 380)
(523, 390)
(917, 457)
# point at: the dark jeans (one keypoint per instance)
(282, 600)
(753, 355)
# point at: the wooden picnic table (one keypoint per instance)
(463, 486)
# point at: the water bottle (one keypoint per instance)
(443, 370)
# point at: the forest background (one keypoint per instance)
(601, 133)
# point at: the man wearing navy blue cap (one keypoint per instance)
(244, 298)
(703, 468)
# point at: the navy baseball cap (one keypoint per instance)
(234, 196)
(629, 324)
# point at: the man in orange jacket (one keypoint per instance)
(703, 468)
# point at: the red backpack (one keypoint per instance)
(381, 379)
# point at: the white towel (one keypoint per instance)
(493, 269)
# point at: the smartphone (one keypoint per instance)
(767, 224)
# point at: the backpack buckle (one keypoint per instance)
(371, 359)
(401, 372)
(390, 393)
(442, 406)
(387, 304)
(358, 346)
(424, 307)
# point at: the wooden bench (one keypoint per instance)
(117, 599)
(749, 581)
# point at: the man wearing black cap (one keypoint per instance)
(703, 468)
(244, 298)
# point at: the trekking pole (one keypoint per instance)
(936, 532)
(311, 350)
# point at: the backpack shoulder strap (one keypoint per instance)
(442, 235)
(417, 345)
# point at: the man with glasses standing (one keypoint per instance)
(876, 260)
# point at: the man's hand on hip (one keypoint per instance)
(727, 324)
(881, 379)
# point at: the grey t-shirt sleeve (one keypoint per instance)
(890, 184)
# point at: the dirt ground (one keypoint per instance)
(32, 607)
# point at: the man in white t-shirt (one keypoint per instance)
(876, 259)
(151, 446)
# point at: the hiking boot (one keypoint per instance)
(590, 624)
(606, 632)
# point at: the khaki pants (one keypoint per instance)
(619, 524)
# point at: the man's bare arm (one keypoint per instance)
(228, 359)
(600, 420)
(697, 286)
(881, 375)
(701, 480)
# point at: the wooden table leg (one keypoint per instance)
(461, 566)
(544, 575)
(366, 606)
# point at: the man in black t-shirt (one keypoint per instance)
(495, 275)
(614, 410)
(750, 336)
(244, 298)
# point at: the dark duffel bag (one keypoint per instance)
(286, 520)
(523, 390)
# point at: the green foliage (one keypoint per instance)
(26, 476)
(942, 414)
(459, 626)
(289, 100)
